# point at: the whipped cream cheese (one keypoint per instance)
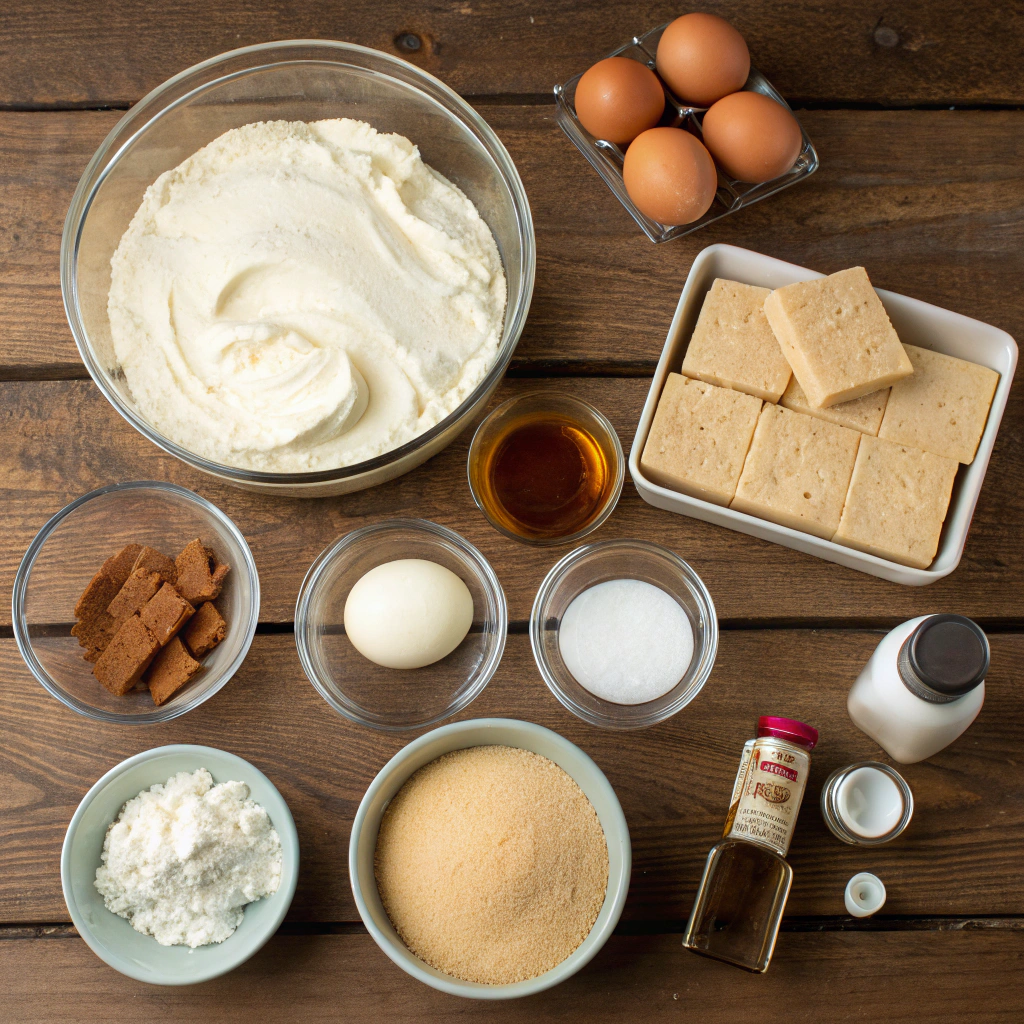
(297, 297)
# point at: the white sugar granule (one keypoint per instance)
(183, 858)
(626, 641)
(492, 864)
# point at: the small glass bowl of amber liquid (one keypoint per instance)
(546, 468)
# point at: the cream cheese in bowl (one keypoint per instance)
(304, 296)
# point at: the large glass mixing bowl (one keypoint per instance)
(299, 80)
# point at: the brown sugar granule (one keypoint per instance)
(204, 630)
(139, 588)
(492, 864)
(127, 656)
(165, 613)
(156, 561)
(199, 575)
(172, 668)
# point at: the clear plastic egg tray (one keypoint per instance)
(606, 157)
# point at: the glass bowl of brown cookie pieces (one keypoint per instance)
(136, 602)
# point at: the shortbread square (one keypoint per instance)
(733, 345)
(897, 502)
(797, 471)
(837, 337)
(863, 414)
(699, 438)
(943, 407)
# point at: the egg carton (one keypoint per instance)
(606, 157)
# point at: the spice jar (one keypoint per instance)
(742, 896)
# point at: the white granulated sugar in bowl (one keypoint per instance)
(183, 859)
(626, 641)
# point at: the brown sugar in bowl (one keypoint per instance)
(63, 558)
(477, 733)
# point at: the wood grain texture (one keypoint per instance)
(931, 202)
(85, 53)
(898, 977)
(960, 855)
(60, 439)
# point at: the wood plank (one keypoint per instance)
(959, 856)
(896, 977)
(895, 193)
(60, 439)
(59, 53)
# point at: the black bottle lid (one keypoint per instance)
(945, 657)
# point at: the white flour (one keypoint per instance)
(298, 297)
(184, 858)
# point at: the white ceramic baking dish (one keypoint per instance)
(917, 323)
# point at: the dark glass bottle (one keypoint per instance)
(746, 882)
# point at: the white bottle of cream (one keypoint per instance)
(922, 687)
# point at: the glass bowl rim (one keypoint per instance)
(314, 578)
(613, 496)
(81, 203)
(24, 573)
(698, 590)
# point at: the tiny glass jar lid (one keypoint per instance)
(866, 804)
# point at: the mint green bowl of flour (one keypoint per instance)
(111, 937)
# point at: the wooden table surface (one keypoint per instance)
(916, 110)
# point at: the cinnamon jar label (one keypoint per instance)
(767, 795)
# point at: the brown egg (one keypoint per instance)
(702, 58)
(752, 137)
(619, 98)
(669, 175)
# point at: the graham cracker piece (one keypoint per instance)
(171, 670)
(943, 407)
(897, 502)
(127, 656)
(200, 576)
(165, 613)
(138, 589)
(156, 561)
(204, 630)
(733, 345)
(797, 471)
(863, 414)
(699, 437)
(837, 336)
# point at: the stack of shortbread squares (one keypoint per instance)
(801, 406)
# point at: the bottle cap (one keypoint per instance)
(945, 657)
(788, 729)
(865, 895)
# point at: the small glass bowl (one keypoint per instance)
(66, 554)
(611, 560)
(395, 700)
(556, 404)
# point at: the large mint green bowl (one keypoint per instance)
(482, 732)
(111, 937)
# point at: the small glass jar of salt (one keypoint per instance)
(626, 641)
